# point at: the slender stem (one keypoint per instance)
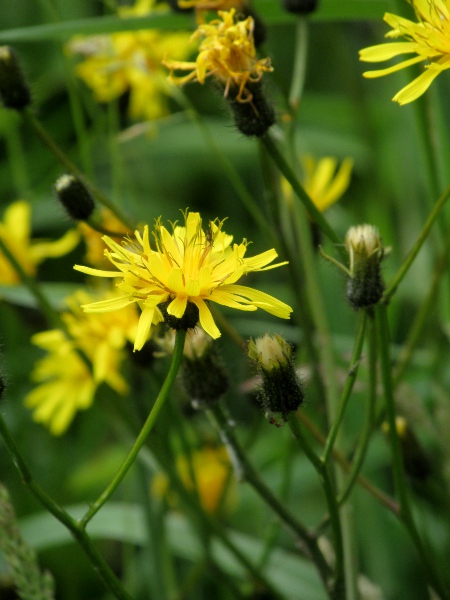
(406, 516)
(418, 324)
(340, 459)
(227, 167)
(338, 587)
(245, 471)
(311, 208)
(300, 62)
(81, 536)
(48, 141)
(145, 431)
(369, 417)
(351, 378)
(390, 290)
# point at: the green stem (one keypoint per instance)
(419, 322)
(390, 290)
(227, 167)
(406, 516)
(300, 63)
(311, 208)
(369, 417)
(48, 141)
(338, 586)
(245, 471)
(81, 536)
(340, 459)
(145, 431)
(348, 388)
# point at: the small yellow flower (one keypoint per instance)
(429, 39)
(66, 384)
(131, 61)
(190, 267)
(211, 468)
(15, 232)
(228, 53)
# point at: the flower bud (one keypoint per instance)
(415, 460)
(300, 7)
(281, 392)
(254, 117)
(75, 197)
(365, 285)
(14, 90)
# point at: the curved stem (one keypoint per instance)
(390, 290)
(351, 378)
(311, 208)
(338, 586)
(369, 417)
(245, 471)
(48, 141)
(146, 429)
(81, 536)
(406, 516)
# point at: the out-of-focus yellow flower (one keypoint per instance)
(130, 60)
(15, 232)
(95, 246)
(203, 6)
(211, 468)
(429, 39)
(228, 53)
(324, 182)
(189, 268)
(66, 384)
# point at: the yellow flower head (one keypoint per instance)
(188, 268)
(324, 182)
(15, 234)
(211, 467)
(130, 60)
(429, 39)
(228, 53)
(66, 382)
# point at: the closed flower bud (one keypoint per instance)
(365, 284)
(415, 460)
(300, 7)
(75, 197)
(281, 391)
(252, 118)
(14, 91)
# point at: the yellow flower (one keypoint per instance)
(324, 182)
(228, 53)
(130, 60)
(429, 39)
(66, 382)
(211, 467)
(15, 234)
(189, 267)
(95, 247)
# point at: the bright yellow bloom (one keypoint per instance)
(324, 182)
(228, 53)
(66, 382)
(15, 232)
(189, 265)
(130, 60)
(211, 467)
(429, 39)
(95, 247)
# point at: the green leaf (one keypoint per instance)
(292, 575)
(21, 295)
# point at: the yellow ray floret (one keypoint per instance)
(189, 265)
(228, 53)
(429, 40)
